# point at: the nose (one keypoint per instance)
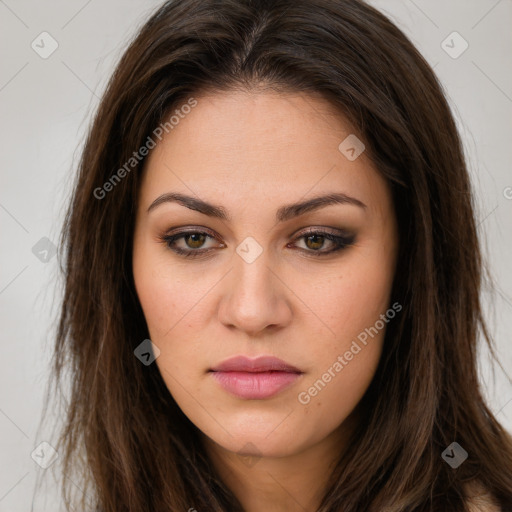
(255, 297)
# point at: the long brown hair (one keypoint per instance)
(125, 442)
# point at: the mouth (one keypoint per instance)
(255, 379)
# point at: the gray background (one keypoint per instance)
(45, 107)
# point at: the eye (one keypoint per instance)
(315, 240)
(193, 242)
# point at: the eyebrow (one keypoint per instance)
(283, 214)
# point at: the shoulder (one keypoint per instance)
(480, 500)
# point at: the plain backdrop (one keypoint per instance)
(45, 108)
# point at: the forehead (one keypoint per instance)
(251, 148)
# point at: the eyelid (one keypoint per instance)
(190, 229)
(311, 229)
(339, 238)
(323, 229)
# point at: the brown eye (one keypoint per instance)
(189, 243)
(315, 241)
(196, 240)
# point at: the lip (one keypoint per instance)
(259, 364)
(255, 379)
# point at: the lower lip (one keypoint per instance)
(255, 386)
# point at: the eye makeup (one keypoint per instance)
(194, 239)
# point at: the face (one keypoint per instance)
(238, 270)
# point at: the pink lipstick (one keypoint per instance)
(255, 379)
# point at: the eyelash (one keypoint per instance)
(340, 243)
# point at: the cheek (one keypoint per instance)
(174, 300)
(355, 304)
(328, 399)
(168, 294)
(346, 362)
(170, 318)
(354, 298)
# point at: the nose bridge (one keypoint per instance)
(254, 278)
(254, 299)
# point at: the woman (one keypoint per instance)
(272, 275)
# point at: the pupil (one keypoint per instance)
(196, 239)
(318, 242)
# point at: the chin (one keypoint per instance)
(258, 442)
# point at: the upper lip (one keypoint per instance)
(260, 364)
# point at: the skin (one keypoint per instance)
(252, 153)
